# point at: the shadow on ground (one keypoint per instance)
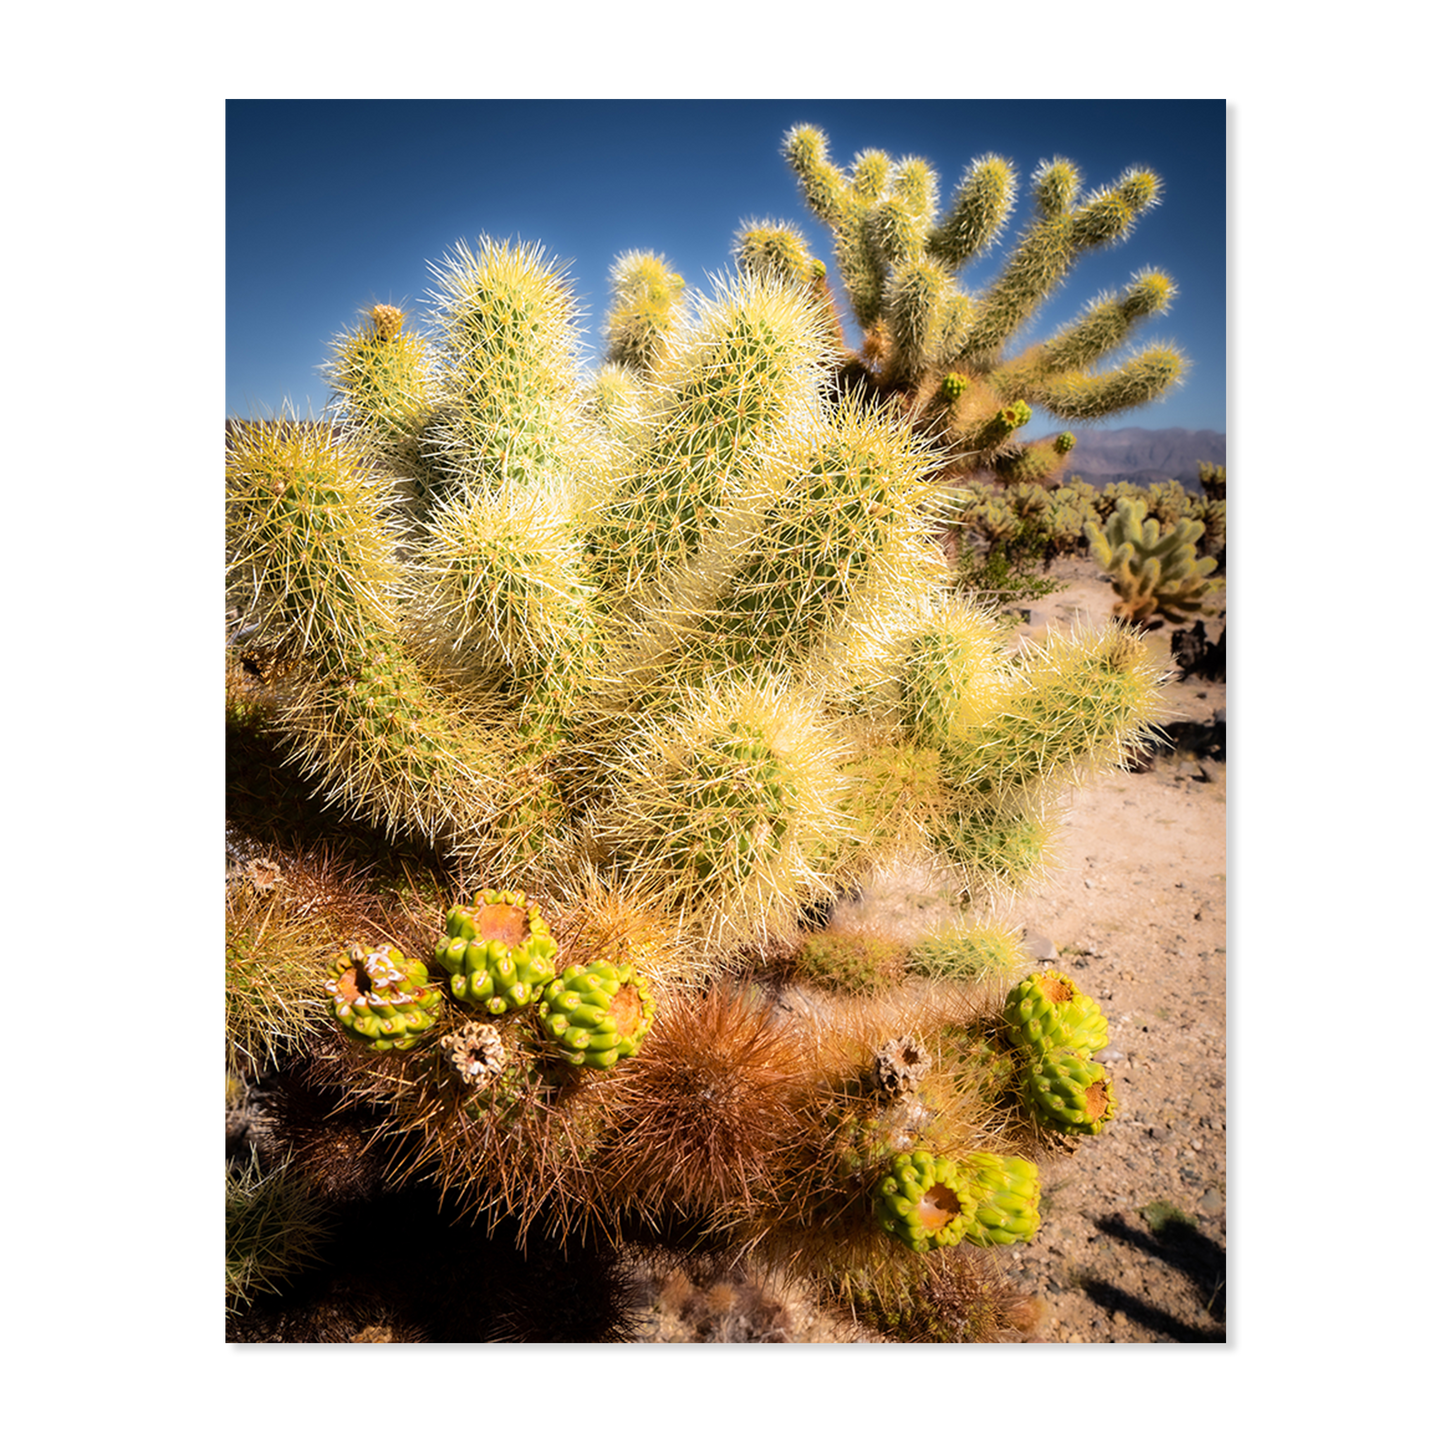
(1178, 1244)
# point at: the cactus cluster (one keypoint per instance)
(927, 1203)
(653, 667)
(1057, 1030)
(1155, 571)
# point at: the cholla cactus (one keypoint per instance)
(944, 348)
(1155, 570)
(672, 659)
(669, 653)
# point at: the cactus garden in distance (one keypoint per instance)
(564, 709)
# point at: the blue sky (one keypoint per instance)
(394, 184)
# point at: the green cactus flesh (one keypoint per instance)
(500, 952)
(1047, 1011)
(1005, 1193)
(383, 998)
(595, 1014)
(1069, 1092)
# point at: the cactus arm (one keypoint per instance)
(645, 295)
(1048, 250)
(979, 211)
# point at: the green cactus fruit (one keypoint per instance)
(953, 386)
(1047, 1011)
(1006, 1199)
(383, 998)
(922, 1202)
(597, 1013)
(1069, 1092)
(1064, 443)
(500, 952)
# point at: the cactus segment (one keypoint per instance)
(1080, 702)
(310, 554)
(597, 1013)
(1070, 1093)
(1047, 1011)
(500, 952)
(733, 384)
(833, 561)
(381, 375)
(1005, 1195)
(645, 293)
(730, 809)
(383, 998)
(507, 318)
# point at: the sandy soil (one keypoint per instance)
(1133, 1240)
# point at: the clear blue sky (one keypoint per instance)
(333, 205)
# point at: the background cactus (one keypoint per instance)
(675, 657)
(1156, 571)
(943, 348)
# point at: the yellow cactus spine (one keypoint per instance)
(645, 295)
(942, 348)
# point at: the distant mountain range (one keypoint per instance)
(1140, 455)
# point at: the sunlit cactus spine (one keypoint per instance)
(275, 1228)
(315, 568)
(731, 809)
(945, 349)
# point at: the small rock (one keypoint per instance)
(1211, 1201)
(1040, 948)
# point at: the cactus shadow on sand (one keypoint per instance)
(1178, 1243)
